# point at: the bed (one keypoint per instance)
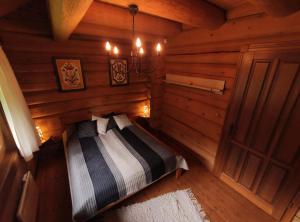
(106, 169)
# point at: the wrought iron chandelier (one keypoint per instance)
(137, 50)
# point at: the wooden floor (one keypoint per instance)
(220, 202)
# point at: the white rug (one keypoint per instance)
(179, 206)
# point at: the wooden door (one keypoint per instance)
(260, 152)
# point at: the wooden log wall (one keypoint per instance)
(194, 117)
(157, 90)
(31, 59)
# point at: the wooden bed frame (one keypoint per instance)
(70, 129)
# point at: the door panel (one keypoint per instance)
(277, 97)
(233, 159)
(248, 174)
(262, 141)
(256, 83)
(273, 176)
(289, 139)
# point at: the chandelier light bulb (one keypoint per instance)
(138, 43)
(116, 50)
(158, 48)
(107, 46)
(141, 51)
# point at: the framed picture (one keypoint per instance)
(118, 73)
(69, 74)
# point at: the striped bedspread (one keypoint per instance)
(107, 168)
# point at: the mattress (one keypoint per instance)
(106, 168)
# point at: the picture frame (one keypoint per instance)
(118, 72)
(69, 73)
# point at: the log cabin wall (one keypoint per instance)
(195, 117)
(156, 101)
(31, 59)
(192, 116)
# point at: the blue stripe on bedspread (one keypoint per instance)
(155, 162)
(104, 183)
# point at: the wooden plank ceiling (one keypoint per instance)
(157, 19)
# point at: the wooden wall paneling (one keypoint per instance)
(206, 144)
(208, 69)
(31, 58)
(156, 89)
(200, 112)
(134, 109)
(206, 111)
(56, 96)
(201, 48)
(203, 126)
(55, 124)
(43, 110)
(42, 44)
(209, 58)
(207, 98)
(207, 84)
(191, 139)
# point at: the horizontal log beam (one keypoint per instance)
(191, 12)
(88, 29)
(110, 16)
(251, 27)
(277, 8)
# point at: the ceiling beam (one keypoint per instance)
(243, 10)
(191, 12)
(8, 6)
(108, 15)
(277, 8)
(65, 15)
(104, 32)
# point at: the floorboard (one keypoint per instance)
(220, 202)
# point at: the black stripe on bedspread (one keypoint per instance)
(155, 162)
(104, 183)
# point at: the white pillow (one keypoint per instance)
(101, 124)
(122, 121)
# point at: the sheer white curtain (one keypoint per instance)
(16, 110)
